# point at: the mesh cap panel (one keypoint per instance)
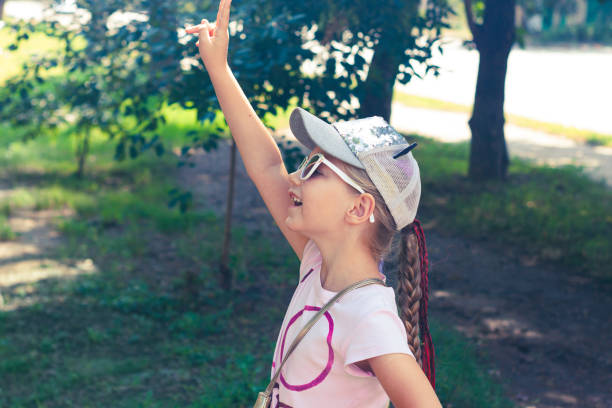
(398, 181)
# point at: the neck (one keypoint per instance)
(345, 261)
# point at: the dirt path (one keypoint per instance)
(546, 332)
(29, 258)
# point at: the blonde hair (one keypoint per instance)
(380, 243)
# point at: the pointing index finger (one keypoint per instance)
(223, 15)
(219, 12)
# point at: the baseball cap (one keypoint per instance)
(370, 144)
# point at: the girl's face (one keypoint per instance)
(325, 199)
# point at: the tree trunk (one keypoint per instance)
(488, 151)
(225, 270)
(1, 9)
(494, 39)
(82, 152)
(377, 90)
(376, 93)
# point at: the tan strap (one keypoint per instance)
(314, 319)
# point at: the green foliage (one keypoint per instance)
(275, 40)
(109, 73)
(117, 79)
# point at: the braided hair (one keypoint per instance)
(412, 282)
(413, 297)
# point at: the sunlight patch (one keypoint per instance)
(565, 398)
(33, 270)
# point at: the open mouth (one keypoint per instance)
(296, 201)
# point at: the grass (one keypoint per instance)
(148, 326)
(459, 362)
(6, 233)
(580, 135)
(552, 215)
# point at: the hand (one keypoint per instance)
(214, 39)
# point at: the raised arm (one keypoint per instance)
(257, 147)
(260, 154)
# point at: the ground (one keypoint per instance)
(546, 332)
(543, 331)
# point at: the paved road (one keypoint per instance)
(570, 86)
(540, 147)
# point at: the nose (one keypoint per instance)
(294, 178)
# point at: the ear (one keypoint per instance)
(362, 207)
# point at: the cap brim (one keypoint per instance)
(312, 131)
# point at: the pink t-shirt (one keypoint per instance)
(321, 371)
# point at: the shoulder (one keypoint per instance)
(370, 299)
(376, 330)
(372, 308)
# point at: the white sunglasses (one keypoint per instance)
(310, 164)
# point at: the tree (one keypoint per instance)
(395, 34)
(398, 32)
(494, 38)
(107, 77)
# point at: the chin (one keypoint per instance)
(289, 224)
(295, 225)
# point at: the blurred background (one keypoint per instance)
(140, 268)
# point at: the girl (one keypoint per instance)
(339, 212)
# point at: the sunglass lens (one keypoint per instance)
(304, 160)
(310, 164)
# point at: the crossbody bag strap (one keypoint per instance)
(314, 319)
